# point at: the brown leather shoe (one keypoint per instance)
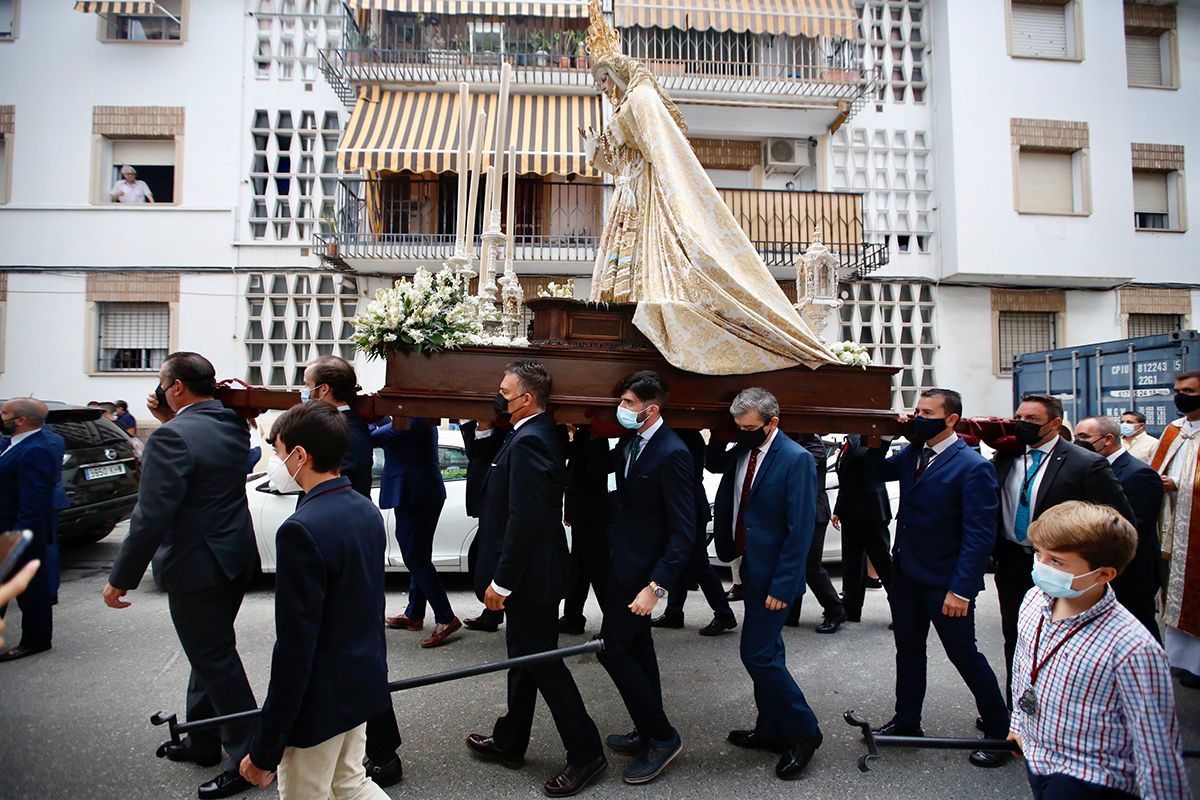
(484, 747)
(572, 779)
(21, 650)
(441, 633)
(402, 623)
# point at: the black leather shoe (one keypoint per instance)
(735, 593)
(666, 622)
(386, 774)
(990, 758)
(629, 744)
(572, 779)
(718, 626)
(485, 748)
(979, 723)
(571, 625)
(653, 759)
(23, 650)
(481, 623)
(227, 784)
(752, 740)
(891, 728)
(186, 751)
(853, 616)
(796, 757)
(832, 624)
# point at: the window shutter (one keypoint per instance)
(144, 153)
(1039, 30)
(3, 169)
(1150, 193)
(134, 326)
(1046, 182)
(1143, 57)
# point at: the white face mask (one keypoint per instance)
(280, 478)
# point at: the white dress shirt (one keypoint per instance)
(739, 477)
(500, 590)
(136, 192)
(1114, 455)
(941, 447)
(1011, 491)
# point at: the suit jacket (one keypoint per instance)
(1072, 473)
(1144, 490)
(329, 666)
(360, 454)
(860, 500)
(946, 523)
(412, 472)
(695, 445)
(30, 484)
(779, 517)
(654, 514)
(522, 545)
(816, 448)
(191, 516)
(480, 453)
(585, 506)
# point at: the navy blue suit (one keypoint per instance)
(1138, 585)
(412, 487)
(863, 509)
(30, 485)
(650, 539)
(329, 666)
(779, 521)
(945, 533)
(360, 454)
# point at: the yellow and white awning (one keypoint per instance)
(391, 131)
(563, 9)
(830, 18)
(112, 7)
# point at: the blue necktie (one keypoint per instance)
(1025, 501)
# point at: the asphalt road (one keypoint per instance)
(74, 721)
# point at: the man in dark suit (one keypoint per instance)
(192, 519)
(945, 533)
(764, 513)
(585, 510)
(1046, 470)
(861, 513)
(1139, 584)
(332, 380)
(30, 481)
(412, 487)
(522, 555)
(816, 576)
(653, 526)
(329, 666)
(481, 442)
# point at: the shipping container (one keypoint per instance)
(1110, 378)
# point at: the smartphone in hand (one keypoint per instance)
(12, 545)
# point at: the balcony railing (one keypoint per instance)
(413, 219)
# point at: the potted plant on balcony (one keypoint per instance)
(581, 58)
(439, 54)
(541, 48)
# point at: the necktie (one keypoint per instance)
(923, 461)
(1025, 502)
(634, 448)
(739, 530)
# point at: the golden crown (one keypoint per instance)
(602, 41)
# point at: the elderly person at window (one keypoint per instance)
(129, 189)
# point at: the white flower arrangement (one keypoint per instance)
(428, 313)
(565, 291)
(851, 354)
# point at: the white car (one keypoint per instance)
(452, 543)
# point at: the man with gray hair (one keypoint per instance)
(1138, 585)
(129, 189)
(765, 511)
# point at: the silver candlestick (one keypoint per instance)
(512, 299)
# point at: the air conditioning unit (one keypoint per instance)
(788, 156)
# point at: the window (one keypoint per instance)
(154, 162)
(1045, 30)
(165, 24)
(1154, 324)
(132, 337)
(1150, 206)
(1023, 332)
(8, 20)
(486, 37)
(453, 462)
(1150, 46)
(4, 168)
(1050, 183)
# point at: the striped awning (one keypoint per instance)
(418, 131)
(111, 7)
(831, 18)
(563, 9)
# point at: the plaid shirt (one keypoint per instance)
(1106, 713)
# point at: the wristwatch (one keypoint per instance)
(659, 591)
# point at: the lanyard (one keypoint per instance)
(1037, 641)
(1027, 484)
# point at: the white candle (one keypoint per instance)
(476, 171)
(502, 126)
(512, 204)
(486, 261)
(460, 230)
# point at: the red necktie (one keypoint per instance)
(739, 530)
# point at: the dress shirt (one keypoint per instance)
(1114, 455)
(1106, 712)
(740, 475)
(500, 590)
(1010, 493)
(136, 192)
(941, 447)
(1141, 447)
(646, 434)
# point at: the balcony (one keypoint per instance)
(391, 225)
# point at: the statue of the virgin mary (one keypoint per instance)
(670, 244)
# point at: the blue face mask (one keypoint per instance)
(1127, 429)
(1055, 582)
(305, 394)
(629, 418)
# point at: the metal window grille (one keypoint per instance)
(132, 337)
(1154, 324)
(1025, 332)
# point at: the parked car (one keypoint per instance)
(100, 472)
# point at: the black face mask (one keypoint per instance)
(925, 428)
(9, 426)
(160, 395)
(500, 406)
(1028, 433)
(1085, 445)
(752, 439)
(1187, 403)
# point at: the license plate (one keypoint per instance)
(107, 471)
